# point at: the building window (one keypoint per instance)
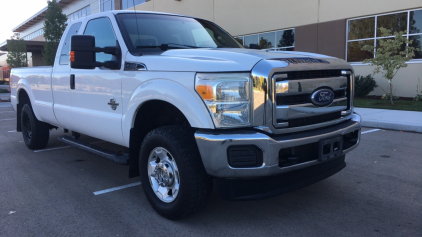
(365, 31)
(34, 34)
(86, 11)
(283, 40)
(126, 4)
(106, 5)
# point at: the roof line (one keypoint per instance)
(36, 15)
(32, 17)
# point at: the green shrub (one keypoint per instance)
(387, 97)
(4, 90)
(364, 85)
(418, 97)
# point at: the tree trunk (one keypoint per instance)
(391, 93)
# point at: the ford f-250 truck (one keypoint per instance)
(193, 107)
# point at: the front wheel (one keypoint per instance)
(172, 174)
(35, 133)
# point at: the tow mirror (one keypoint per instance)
(82, 53)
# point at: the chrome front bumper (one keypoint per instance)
(213, 147)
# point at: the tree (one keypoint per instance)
(287, 39)
(16, 52)
(54, 26)
(391, 55)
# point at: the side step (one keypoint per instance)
(116, 157)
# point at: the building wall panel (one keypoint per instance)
(306, 38)
(240, 17)
(404, 83)
(332, 38)
(331, 10)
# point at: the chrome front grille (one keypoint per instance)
(313, 74)
(293, 108)
(306, 98)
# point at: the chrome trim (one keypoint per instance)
(308, 104)
(213, 149)
(307, 86)
(286, 112)
(262, 98)
(261, 106)
(314, 126)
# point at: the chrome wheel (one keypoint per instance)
(163, 174)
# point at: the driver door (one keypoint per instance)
(96, 99)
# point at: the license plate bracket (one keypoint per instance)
(330, 148)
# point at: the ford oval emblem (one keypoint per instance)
(322, 97)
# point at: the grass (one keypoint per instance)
(4, 91)
(385, 104)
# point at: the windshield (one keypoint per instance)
(153, 32)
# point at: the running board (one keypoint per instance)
(116, 157)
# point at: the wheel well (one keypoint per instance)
(23, 99)
(151, 115)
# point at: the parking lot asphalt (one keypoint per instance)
(51, 193)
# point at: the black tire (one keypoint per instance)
(35, 133)
(195, 184)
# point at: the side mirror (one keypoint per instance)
(254, 46)
(82, 53)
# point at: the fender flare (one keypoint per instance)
(187, 101)
(24, 85)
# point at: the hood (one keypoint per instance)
(218, 60)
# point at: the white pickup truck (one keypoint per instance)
(193, 107)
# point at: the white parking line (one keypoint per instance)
(7, 119)
(373, 130)
(56, 148)
(12, 131)
(116, 188)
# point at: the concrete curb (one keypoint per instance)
(401, 120)
(392, 126)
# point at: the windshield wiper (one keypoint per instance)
(167, 46)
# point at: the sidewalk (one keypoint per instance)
(391, 119)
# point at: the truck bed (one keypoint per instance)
(36, 81)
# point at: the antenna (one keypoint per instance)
(137, 27)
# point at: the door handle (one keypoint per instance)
(72, 81)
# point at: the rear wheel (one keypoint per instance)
(35, 133)
(172, 174)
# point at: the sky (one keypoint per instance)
(14, 12)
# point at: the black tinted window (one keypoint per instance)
(104, 36)
(64, 56)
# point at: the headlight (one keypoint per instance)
(226, 96)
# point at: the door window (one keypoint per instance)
(64, 55)
(104, 35)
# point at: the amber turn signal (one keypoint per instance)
(204, 91)
(72, 56)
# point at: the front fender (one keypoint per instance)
(186, 100)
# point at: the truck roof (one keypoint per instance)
(115, 12)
